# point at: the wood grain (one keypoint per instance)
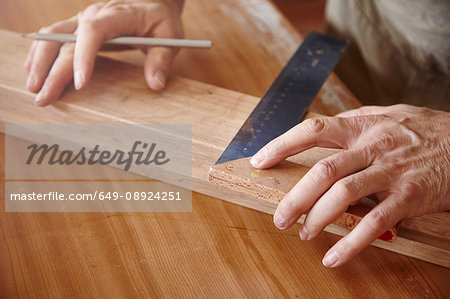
(218, 250)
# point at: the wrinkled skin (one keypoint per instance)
(51, 65)
(401, 154)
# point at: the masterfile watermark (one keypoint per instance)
(91, 168)
(55, 155)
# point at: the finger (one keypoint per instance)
(157, 66)
(96, 24)
(30, 55)
(382, 217)
(45, 53)
(60, 75)
(91, 33)
(43, 58)
(339, 197)
(325, 132)
(159, 60)
(317, 181)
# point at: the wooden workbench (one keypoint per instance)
(219, 249)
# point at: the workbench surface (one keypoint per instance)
(220, 249)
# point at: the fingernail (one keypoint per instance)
(330, 259)
(40, 96)
(304, 233)
(160, 77)
(279, 220)
(257, 159)
(78, 80)
(31, 81)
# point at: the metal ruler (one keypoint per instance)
(285, 103)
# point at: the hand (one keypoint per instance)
(51, 65)
(399, 153)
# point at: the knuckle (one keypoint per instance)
(287, 204)
(400, 107)
(425, 110)
(405, 120)
(314, 125)
(174, 30)
(404, 109)
(97, 25)
(120, 6)
(313, 228)
(316, 225)
(411, 190)
(291, 205)
(386, 141)
(113, 3)
(94, 8)
(413, 112)
(378, 220)
(365, 154)
(325, 169)
(48, 29)
(165, 58)
(360, 111)
(276, 146)
(344, 189)
(392, 167)
(92, 23)
(67, 49)
(362, 120)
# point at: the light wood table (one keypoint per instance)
(220, 249)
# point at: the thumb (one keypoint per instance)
(157, 66)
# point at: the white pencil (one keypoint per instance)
(126, 40)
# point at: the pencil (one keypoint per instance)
(126, 40)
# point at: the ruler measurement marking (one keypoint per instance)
(285, 103)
